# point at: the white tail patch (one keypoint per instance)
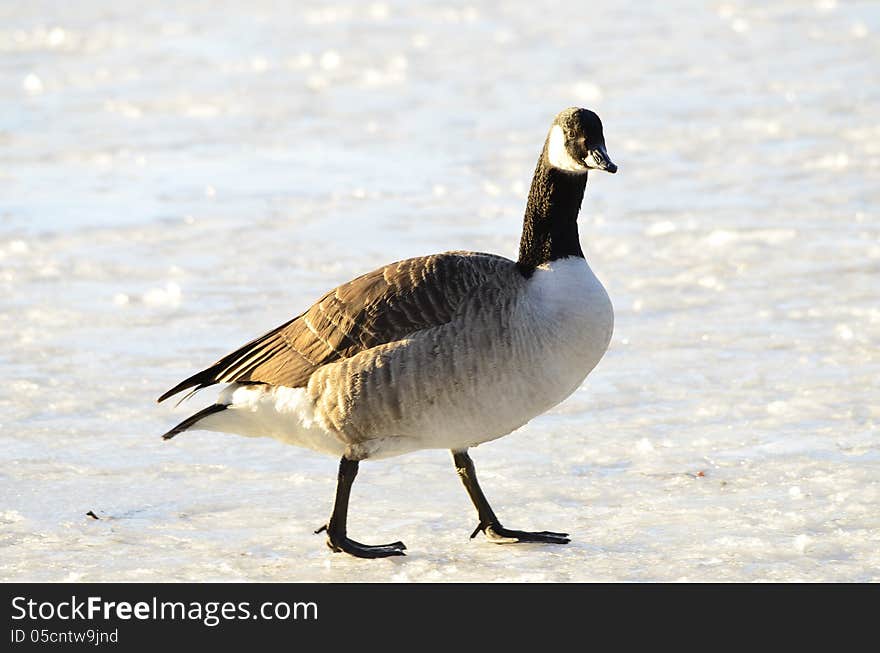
(279, 412)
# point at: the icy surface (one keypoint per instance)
(177, 178)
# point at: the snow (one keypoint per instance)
(177, 178)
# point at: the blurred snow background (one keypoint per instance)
(178, 177)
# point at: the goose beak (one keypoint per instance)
(598, 159)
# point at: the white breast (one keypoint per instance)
(569, 304)
(572, 318)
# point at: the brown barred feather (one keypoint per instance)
(379, 307)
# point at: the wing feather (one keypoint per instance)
(376, 308)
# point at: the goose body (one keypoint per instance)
(444, 351)
(513, 349)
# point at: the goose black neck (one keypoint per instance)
(550, 225)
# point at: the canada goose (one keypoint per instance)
(443, 351)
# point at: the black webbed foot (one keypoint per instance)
(339, 542)
(496, 533)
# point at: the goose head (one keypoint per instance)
(576, 142)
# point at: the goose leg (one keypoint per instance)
(489, 523)
(336, 528)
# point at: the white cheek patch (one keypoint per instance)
(558, 155)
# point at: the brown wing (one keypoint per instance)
(376, 308)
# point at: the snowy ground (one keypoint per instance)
(177, 178)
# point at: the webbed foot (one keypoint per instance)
(496, 533)
(339, 542)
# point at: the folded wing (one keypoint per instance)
(379, 307)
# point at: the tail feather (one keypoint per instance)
(219, 372)
(200, 380)
(193, 419)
